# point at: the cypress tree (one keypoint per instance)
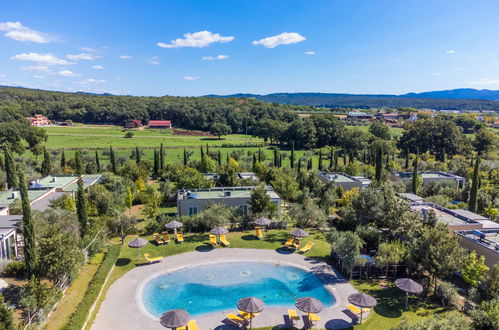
(299, 165)
(30, 254)
(407, 158)
(415, 173)
(227, 158)
(185, 157)
(10, 168)
(309, 165)
(219, 158)
(202, 152)
(63, 160)
(112, 159)
(46, 167)
(275, 157)
(331, 158)
(161, 157)
(137, 155)
(335, 160)
(319, 166)
(292, 158)
(379, 164)
(2, 164)
(156, 164)
(79, 162)
(81, 208)
(97, 161)
(280, 160)
(473, 199)
(254, 160)
(364, 157)
(207, 149)
(259, 155)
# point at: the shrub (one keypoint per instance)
(447, 292)
(129, 135)
(79, 316)
(14, 269)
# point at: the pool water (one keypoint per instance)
(210, 288)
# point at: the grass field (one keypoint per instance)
(387, 314)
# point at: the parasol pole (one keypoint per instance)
(406, 299)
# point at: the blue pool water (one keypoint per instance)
(210, 288)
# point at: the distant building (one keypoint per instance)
(160, 124)
(39, 120)
(133, 124)
(411, 198)
(484, 242)
(7, 197)
(388, 115)
(359, 115)
(439, 177)
(191, 202)
(247, 176)
(346, 181)
(8, 236)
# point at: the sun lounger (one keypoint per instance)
(354, 309)
(166, 238)
(192, 325)
(179, 238)
(293, 316)
(307, 247)
(289, 242)
(224, 240)
(158, 240)
(296, 244)
(247, 315)
(213, 240)
(259, 233)
(152, 260)
(236, 319)
(313, 318)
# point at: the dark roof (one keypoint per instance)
(138, 122)
(160, 123)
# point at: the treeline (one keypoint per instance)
(198, 113)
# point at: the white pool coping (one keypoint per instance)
(123, 308)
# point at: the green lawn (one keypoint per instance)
(394, 131)
(387, 314)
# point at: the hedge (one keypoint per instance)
(79, 316)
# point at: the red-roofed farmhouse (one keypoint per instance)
(160, 124)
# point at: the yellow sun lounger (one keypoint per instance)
(213, 240)
(259, 233)
(166, 238)
(224, 240)
(192, 325)
(354, 309)
(314, 317)
(152, 260)
(293, 316)
(247, 315)
(158, 240)
(236, 319)
(289, 242)
(179, 238)
(307, 247)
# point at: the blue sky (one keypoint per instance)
(187, 47)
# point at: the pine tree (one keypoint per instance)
(30, 252)
(319, 165)
(137, 155)
(415, 174)
(79, 162)
(473, 199)
(46, 167)
(97, 161)
(81, 208)
(185, 157)
(10, 168)
(161, 157)
(379, 164)
(156, 164)
(292, 158)
(63, 160)
(112, 160)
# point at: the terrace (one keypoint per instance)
(440, 177)
(453, 220)
(346, 181)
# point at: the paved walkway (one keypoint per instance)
(123, 309)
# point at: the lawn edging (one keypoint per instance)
(79, 316)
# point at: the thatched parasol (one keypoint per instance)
(309, 305)
(175, 318)
(251, 305)
(263, 221)
(363, 301)
(409, 286)
(219, 231)
(299, 233)
(174, 225)
(137, 244)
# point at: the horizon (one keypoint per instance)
(191, 48)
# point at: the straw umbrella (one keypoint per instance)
(219, 231)
(174, 225)
(263, 222)
(137, 244)
(409, 286)
(363, 301)
(299, 233)
(309, 305)
(174, 318)
(250, 305)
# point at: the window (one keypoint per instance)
(244, 209)
(193, 210)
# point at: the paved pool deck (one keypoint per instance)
(122, 307)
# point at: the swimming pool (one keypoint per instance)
(216, 287)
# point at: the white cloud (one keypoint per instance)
(95, 81)
(67, 73)
(3, 75)
(485, 82)
(38, 77)
(311, 52)
(191, 77)
(198, 39)
(154, 60)
(285, 38)
(214, 58)
(98, 67)
(125, 57)
(83, 56)
(47, 59)
(43, 68)
(19, 32)
(450, 51)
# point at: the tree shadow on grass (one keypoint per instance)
(122, 262)
(339, 324)
(196, 238)
(204, 248)
(273, 238)
(249, 237)
(283, 250)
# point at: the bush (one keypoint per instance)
(79, 316)
(129, 135)
(447, 292)
(14, 269)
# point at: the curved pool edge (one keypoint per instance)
(123, 306)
